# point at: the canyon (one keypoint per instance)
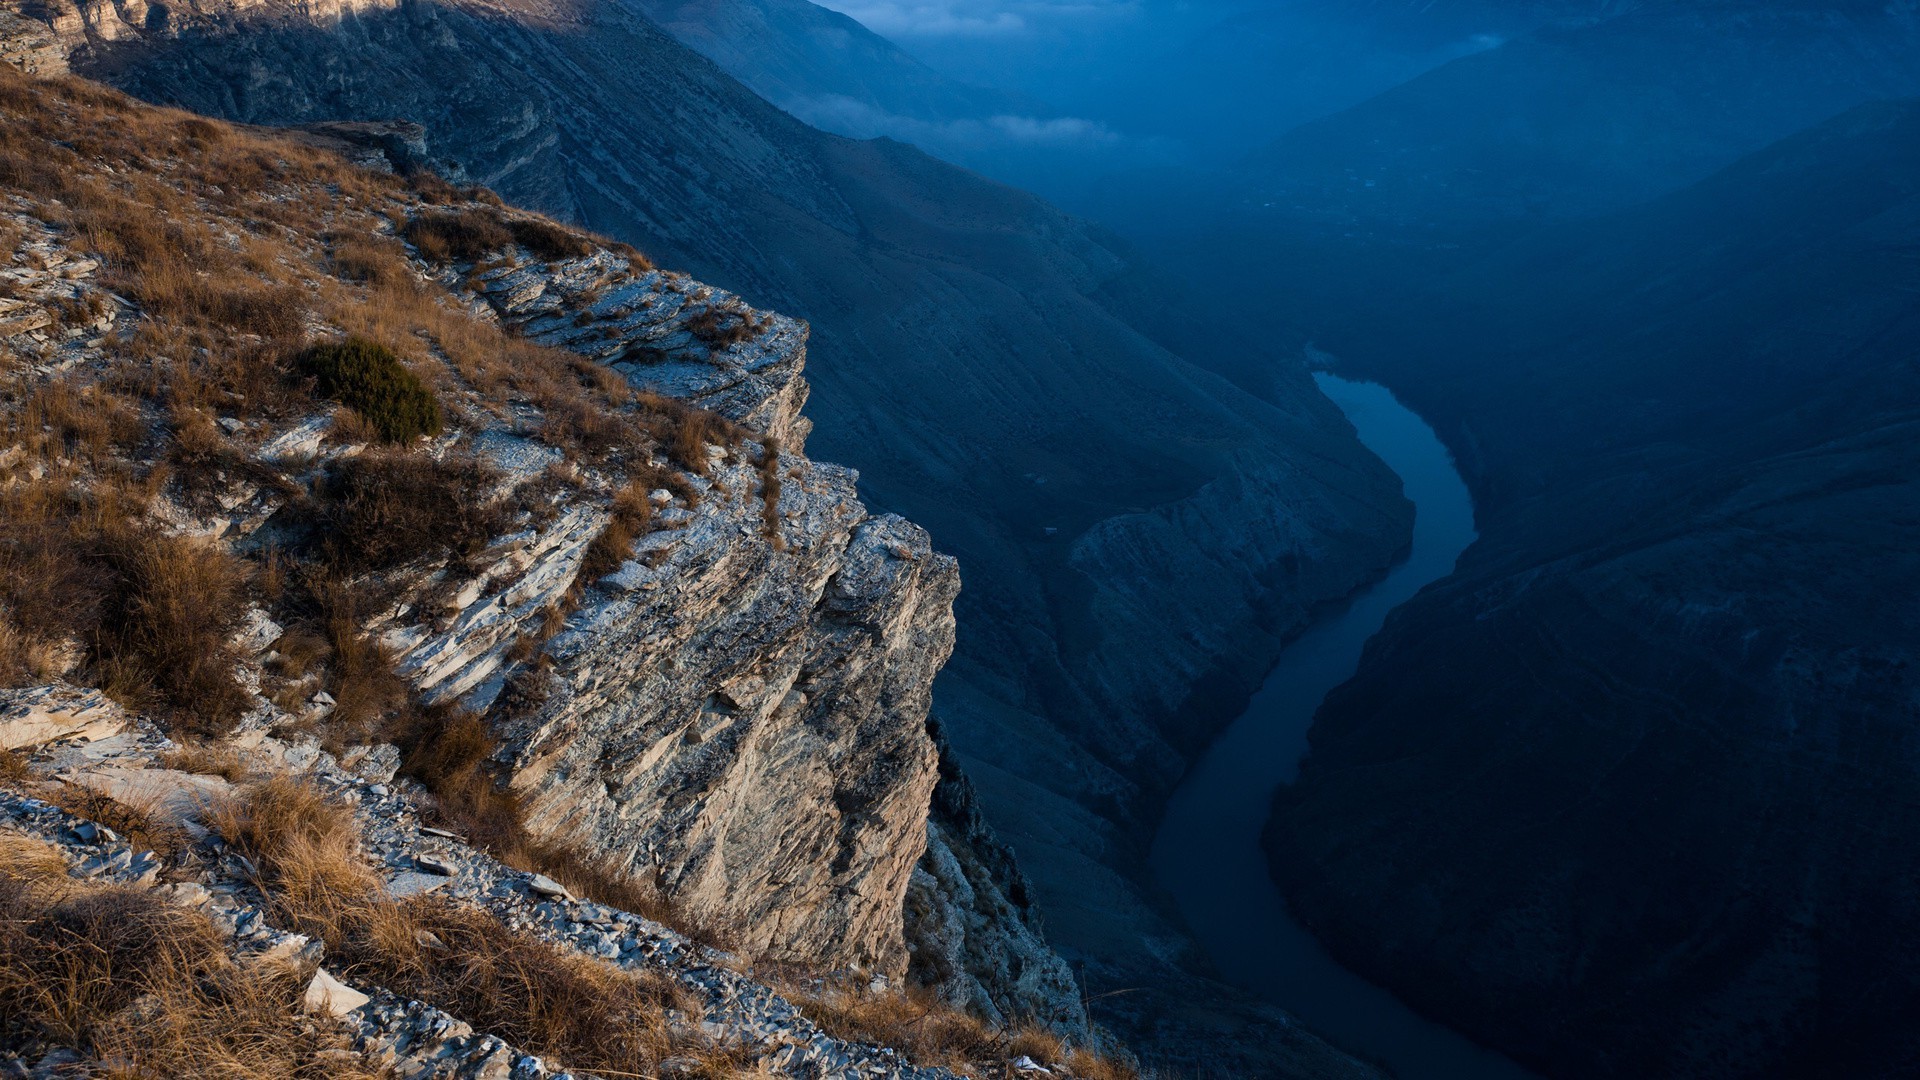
(1679, 655)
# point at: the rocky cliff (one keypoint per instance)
(1142, 532)
(507, 520)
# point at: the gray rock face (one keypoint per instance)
(736, 715)
(749, 727)
(972, 923)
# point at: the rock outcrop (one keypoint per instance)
(1142, 533)
(371, 1026)
(972, 922)
(731, 706)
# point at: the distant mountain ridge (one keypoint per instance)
(801, 56)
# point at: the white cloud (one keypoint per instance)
(972, 18)
(859, 120)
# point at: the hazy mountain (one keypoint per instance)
(821, 65)
(1571, 119)
(1624, 796)
(1137, 533)
(1164, 87)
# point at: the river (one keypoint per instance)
(1207, 853)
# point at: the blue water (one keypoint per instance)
(1208, 854)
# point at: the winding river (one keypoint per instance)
(1207, 853)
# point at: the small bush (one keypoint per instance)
(367, 261)
(450, 754)
(632, 513)
(685, 431)
(464, 235)
(547, 240)
(383, 508)
(166, 627)
(720, 327)
(369, 379)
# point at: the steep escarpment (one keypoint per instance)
(320, 479)
(1617, 797)
(1144, 532)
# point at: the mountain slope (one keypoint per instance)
(809, 60)
(1623, 796)
(1139, 533)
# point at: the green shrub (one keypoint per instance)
(369, 379)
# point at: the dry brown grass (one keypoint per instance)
(166, 627)
(632, 514)
(932, 1033)
(207, 759)
(137, 820)
(380, 509)
(141, 988)
(720, 327)
(152, 611)
(770, 491)
(465, 235)
(587, 1014)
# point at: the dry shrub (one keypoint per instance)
(463, 236)
(632, 513)
(305, 846)
(601, 878)
(720, 327)
(366, 260)
(50, 589)
(326, 634)
(585, 1013)
(206, 759)
(685, 431)
(931, 1032)
(14, 768)
(154, 611)
(60, 419)
(166, 627)
(590, 1015)
(137, 820)
(432, 187)
(139, 987)
(547, 240)
(450, 752)
(380, 509)
(916, 1023)
(770, 491)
